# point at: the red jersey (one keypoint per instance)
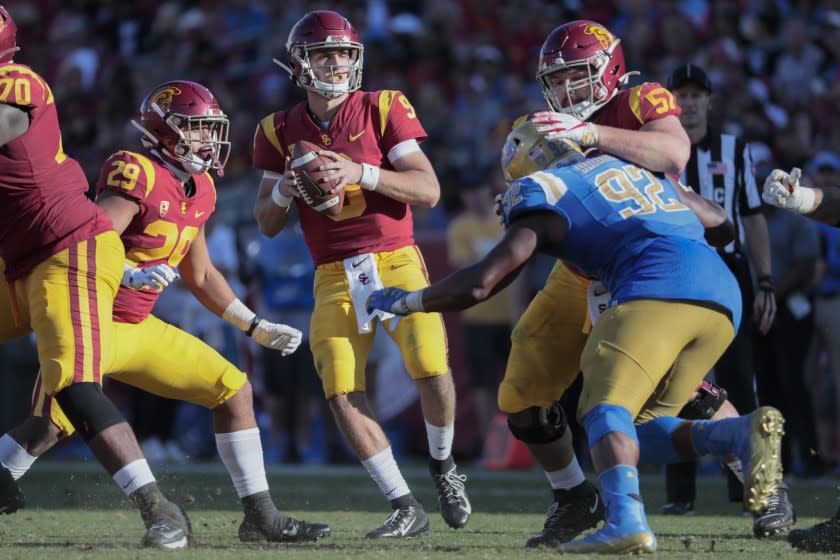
(163, 229)
(633, 108)
(364, 129)
(43, 204)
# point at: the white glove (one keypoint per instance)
(277, 336)
(154, 278)
(782, 189)
(557, 126)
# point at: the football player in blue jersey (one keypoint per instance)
(674, 309)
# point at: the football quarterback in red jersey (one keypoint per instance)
(372, 139)
(159, 201)
(63, 263)
(581, 71)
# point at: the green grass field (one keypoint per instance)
(75, 511)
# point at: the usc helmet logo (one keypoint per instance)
(163, 98)
(602, 35)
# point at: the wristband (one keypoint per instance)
(370, 177)
(279, 198)
(807, 203)
(239, 315)
(414, 301)
(765, 283)
(254, 322)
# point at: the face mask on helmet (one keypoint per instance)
(183, 121)
(581, 68)
(325, 55)
(527, 151)
(8, 36)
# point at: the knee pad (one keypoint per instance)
(709, 399)
(606, 418)
(88, 409)
(544, 425)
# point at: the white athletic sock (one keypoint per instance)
(567, 477)
(386, 474)
(440, 440)
(242, 454)
(14, 457)
(134, 475)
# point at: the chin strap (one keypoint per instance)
(8, 51)
(285, 67)
(182, 174)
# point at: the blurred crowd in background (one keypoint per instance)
(468, 66)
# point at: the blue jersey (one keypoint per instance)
(628, 228)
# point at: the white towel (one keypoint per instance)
(363, 279)
(598, 299)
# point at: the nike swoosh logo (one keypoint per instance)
(354, 137)
(596, 293)
(595, 505)
(355, 264)
(396, 266)
(199, 214)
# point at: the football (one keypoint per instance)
(305, 162)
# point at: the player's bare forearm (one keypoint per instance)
(465, 288)
(661, 145)
(480, 281)
(211, 288)
(271, 218)
(414, 187)
(202, 277)
(828, 206)
(758, 242)
(413, 182)
(120, 209)
(719, 229)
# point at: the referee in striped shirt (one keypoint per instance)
(720, 169)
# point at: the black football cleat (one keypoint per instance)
(11, 496)
(822, 537)
(282, 529)
(167, 524)
(404, 522)
(580, 508)
(778, 517)
(170, 528)
(454, 504)
(165, 536)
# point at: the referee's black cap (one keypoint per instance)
(689, 74)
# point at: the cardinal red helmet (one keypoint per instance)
(324, 30)
(185, 122)
(590, 46)
(8, 39)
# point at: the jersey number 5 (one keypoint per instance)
(662, 99)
